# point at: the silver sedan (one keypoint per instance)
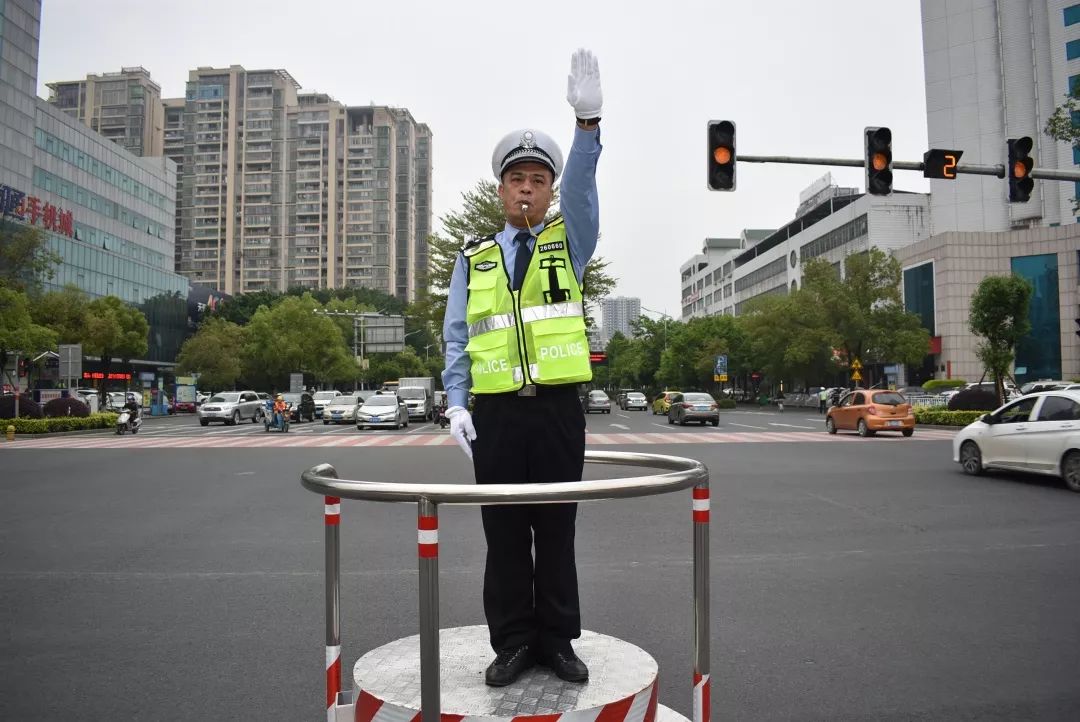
(385, 410)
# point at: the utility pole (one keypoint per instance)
(17, 353)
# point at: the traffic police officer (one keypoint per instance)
(515, 337)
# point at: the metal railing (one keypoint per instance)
(682, 473)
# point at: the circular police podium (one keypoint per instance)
(622, 684)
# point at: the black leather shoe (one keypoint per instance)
(567, 666)
(508, 666)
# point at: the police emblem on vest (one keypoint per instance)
(532, 336)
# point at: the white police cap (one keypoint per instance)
(526, 145)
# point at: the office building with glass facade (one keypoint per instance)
(942, 272)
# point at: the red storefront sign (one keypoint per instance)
(935, 344)
(30, 209)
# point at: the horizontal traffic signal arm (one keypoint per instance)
(998, 171)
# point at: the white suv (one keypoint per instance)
(230, 407)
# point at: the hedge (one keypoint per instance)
(60, 423)
(725, 403)
(939, 384)
(65, 407)
(940, 417)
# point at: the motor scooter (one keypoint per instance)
(279, 422)
(440, 416)
(124, 422)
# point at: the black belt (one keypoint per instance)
(537, 390)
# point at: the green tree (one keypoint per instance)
(63, 311)
(25, 259)
(864, 310)
(391, 367)
(789, 338)
(999, 314)
(18, 332)
(290, 337)
(651, 337)
(214, 352)
(690, 357)
(1061, 125)
(114, 329)
(481, 215)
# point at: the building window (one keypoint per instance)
(919, 294)
(1072, 50)
(1038, 355)
(1072, 15)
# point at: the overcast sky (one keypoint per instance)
(797, 77)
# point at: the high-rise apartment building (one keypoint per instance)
(125, 107)
(997, 70)
(617, 315)
(233, 226)
(173, 149)
(324, 195)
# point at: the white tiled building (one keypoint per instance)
(996, 70)
(832, 224)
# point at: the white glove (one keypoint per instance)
(583, 85)
(461, 428)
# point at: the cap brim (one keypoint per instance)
(524, 155)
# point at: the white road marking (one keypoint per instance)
(245, 473)
(662, 426)
(425, 427)
(745, 426)
(624, 427)
(791, 426)
(625, 416)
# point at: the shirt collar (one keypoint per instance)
(512, 231)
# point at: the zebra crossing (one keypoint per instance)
(391, 439)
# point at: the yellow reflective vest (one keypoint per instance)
(532, 336)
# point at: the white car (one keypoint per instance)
(231, 407)
(635, 400)
(323, 399)
(384, 409)
(1039, 433)
(342, 409)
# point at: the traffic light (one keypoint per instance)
(24, 367)
(1077, 326)
(878, 160)
(721, 155)
(1020, 165)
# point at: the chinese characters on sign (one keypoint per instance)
(32, 210)
(98, 376)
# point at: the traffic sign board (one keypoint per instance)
(723, 377)
(856, 364)
(856, 376)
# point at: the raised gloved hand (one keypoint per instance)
(461, 428)
(583, 85)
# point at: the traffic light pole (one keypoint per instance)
(998, 171)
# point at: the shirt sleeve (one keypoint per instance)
(456, 377)
(577, 197)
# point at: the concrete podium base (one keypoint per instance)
(622, 684)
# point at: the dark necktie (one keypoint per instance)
(521, 260)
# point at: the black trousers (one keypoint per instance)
(530, 439)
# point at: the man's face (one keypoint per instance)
(529, 183)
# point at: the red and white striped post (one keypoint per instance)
(427, 550)
(701, 702)
(331, 521)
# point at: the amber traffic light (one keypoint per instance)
(1020, 165)
(878, 161)
(721, 138)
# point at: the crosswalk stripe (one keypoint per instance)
(262, 440)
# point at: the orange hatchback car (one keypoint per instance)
(869, 411)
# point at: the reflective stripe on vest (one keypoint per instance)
(491, 323)
(555, 310)
(535, 335)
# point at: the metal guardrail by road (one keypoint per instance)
(682, 473)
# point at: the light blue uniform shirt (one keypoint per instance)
(581, 215)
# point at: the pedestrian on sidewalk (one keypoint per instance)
(823, 400)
